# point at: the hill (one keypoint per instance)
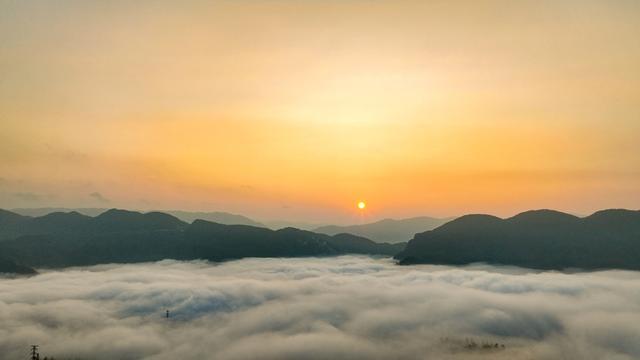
(387, 230)
(543, 239)
(10, 267)
(110, 221)
(120, 236)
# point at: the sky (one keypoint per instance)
(344, 307)
(283, 109)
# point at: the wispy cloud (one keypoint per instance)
(97, 196)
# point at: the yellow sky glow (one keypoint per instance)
(289, 109)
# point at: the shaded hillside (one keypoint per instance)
(10, 267)
(72, 239)
(542, 239)
(387, 230)
(358, 244)
(11, 224)
(9, 219)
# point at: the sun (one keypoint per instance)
(362, 205)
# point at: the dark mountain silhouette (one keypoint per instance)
(57, 222)
(10, 267)
(357, 244)
(236, 241)
(75, 223)
(116, 220)
(8, 218)
(11, 223)
(387, 230)
(120, 236)
(543, 239)
(186, 216)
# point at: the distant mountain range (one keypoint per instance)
(387, 230)
(542, 239)
(120, 236)
(215, 216)
(188, 216)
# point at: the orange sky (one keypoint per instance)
(298, 109)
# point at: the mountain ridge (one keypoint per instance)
(545, 239)
(122, 236)
(186, 216)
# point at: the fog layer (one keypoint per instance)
(319, 308)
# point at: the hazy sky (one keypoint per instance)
(298, 109)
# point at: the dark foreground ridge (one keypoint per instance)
(11, 267)
(542, 239)
(119, 236)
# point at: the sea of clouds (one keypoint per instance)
(347, 307)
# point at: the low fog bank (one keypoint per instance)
(319, 308)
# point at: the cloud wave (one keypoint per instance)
(346, 307)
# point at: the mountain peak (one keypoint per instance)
(111, 213)
(124, 220)
(613, 213)
(542, 216)
(469, 221)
